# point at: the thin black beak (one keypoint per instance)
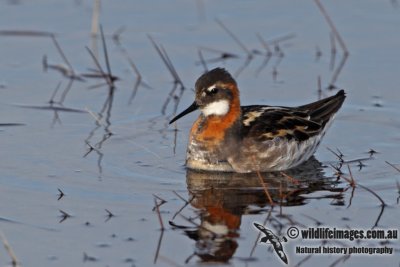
(192, 108)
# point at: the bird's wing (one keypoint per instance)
(299, 123)
(266, 123)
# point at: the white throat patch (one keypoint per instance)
(218, 108)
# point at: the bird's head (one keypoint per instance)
(216, 94)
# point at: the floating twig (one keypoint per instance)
(158, 246)
(353, 189)
(177, 80)
(333, 50)
(354, 184)
(339, 156)
(25, 33)
(179, 196)
(86, 258)
(279, 54)
(249, 54)
(96, 118)
(162, 229)
(379, 216)
(162, 202)
(356, 160)
(164, 57)
(352, 181)
(303, 260)
(61, 194)
(56, 117)
(335, 35)
(340, 260)
(91, 148)
(109, 215)
(53, 95)
(223, 55)
(274, 74)
(95, 17)
(373, 193)
(202, 61)
(139, 78)
(337, 71)
(11, 124)
(106, 112)
(361, 165)
(157, 205)
(64, 215)
(62, 54)
(282, 38)
(108, 66)
(317, 222)
(10, 251)
(54, 108)
(66, 91)
(103, 74)
(187, 202)
(234, 37)
(271, 202)
(318, 53)
(319, 88)
(372, 152)
(268, 54)
(116, 36)
(66, 70)
(100, 73)
(291, 179)
(332, 26)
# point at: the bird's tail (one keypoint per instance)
(322, 111)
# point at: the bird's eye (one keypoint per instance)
(212, 91)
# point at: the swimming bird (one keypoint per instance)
(233, 138)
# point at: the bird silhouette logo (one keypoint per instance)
(274, 240)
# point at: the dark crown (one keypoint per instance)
(212, 77)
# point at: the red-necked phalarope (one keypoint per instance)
(233, 138)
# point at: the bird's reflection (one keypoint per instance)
(221, 199)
